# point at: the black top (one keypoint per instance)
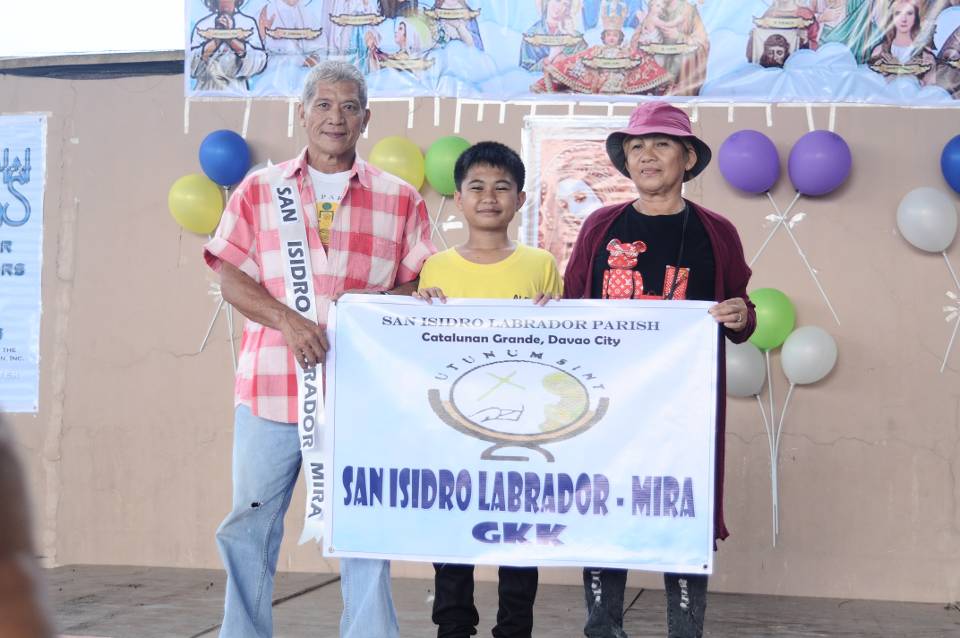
(660, 237)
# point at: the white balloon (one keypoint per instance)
(808, 355)
(746, 370)
(927, 218)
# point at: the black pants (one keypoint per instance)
(603, 591)
(456, 616)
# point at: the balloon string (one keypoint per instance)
(783, 414)
(813, 274)
(773, 453)
(769, 431)
(773, 415)
(780, 220)
(233, 346)
(946, 356)
(766, 423)
(776, 461)
(953, 336)
(953, 273)
(216, 313)
(436, 223)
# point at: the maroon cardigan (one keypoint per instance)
(732, 276)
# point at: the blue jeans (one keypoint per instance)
(266, 467)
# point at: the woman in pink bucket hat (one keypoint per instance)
(662, 246)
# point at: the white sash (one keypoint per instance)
(298, 279)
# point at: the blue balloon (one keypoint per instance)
(950, 163)
(224, 157)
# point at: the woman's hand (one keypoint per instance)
(732, 313)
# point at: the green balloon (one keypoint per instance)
(440, 160)
(776, 318)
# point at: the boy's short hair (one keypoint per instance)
(490, 154)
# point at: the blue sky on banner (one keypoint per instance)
(492, 69)
(91, 26)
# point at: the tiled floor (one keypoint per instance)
(140, 602)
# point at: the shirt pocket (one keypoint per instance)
(372, 258)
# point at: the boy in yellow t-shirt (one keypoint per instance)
(489, 178)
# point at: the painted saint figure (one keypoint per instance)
(795, 24)
(609, 68)
(776, 50)
(556, 33)
(226, 49)
(398, 8)
(352, 37)
(293, 35)
(673, 32)
(902, 53)
(948, 64)
(410, 35)
(857, 29)
(455, 20)
(829, 13)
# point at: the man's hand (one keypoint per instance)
(224, 21)
(305, 339)
(353, 291)
(429, 294)
(732, 313)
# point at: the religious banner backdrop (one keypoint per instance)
(874, 51)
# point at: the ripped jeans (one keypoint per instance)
(603, 590)
(266, 467)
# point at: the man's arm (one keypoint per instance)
(305, 339)
(403, 289)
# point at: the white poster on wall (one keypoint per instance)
(23, 168)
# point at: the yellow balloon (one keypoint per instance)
(401, 157)
(196, 203)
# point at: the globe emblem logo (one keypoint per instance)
(518, 403)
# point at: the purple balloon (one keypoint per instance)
(749, 161)
(819, 163)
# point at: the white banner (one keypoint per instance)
(22, 165)
(496, 432)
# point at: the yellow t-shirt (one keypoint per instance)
(526, 272)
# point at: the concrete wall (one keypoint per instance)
(129, 457)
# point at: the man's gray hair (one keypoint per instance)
(331, 72)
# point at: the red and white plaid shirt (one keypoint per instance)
(379, 239)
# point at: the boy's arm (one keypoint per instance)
(552, 284)
(427, 289)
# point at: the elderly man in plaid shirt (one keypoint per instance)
(370, 233)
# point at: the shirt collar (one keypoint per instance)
(360, 169)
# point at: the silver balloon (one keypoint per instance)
(927, 219)
(746, 370)
(808, 355)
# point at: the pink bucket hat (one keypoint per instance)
(662, 118)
